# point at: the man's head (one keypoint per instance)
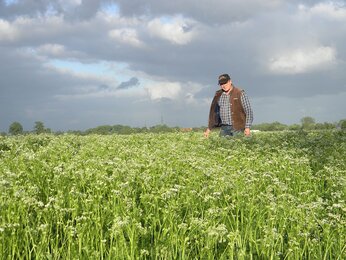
(225, 82)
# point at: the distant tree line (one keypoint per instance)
(17, 129)
(307, 123)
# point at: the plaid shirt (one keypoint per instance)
(225, 109)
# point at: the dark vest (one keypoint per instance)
(238, 113)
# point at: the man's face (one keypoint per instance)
(226, 87)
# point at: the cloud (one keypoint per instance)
(132, 82)
(72, 61)
(160, 90)
(70, 9)
(331, 10)
(324, 108)
(7, 31)
(303, 60)
(52, 49)
(28, 30)
(126, 36)
(176, 30)
(217, 12)
(69, 4)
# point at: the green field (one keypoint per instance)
(173, 196)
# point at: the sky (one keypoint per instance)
(79, 64)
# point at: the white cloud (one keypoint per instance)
(52, 49)
(332, 10)
(127, 36)
(7, 31)
(159, 90)
(302, 60)
(25, 28)
(68, 4)
(176, 30)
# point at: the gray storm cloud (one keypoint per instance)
(61, 61)
(132, 82)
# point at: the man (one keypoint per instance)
(230, 110)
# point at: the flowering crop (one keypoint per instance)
(173, 196)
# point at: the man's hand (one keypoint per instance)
(247, 132)
(206, 133)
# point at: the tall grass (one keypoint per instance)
(173, 196)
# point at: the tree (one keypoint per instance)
(39, 127)
(277, 126)
(342, 124)
(294, 127)
(324, 126)
(15, 128)
(308, 122)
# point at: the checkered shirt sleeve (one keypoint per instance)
(247, 109)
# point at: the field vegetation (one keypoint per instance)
(173, 196)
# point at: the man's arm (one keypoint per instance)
(248, 112)
(211, 119)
